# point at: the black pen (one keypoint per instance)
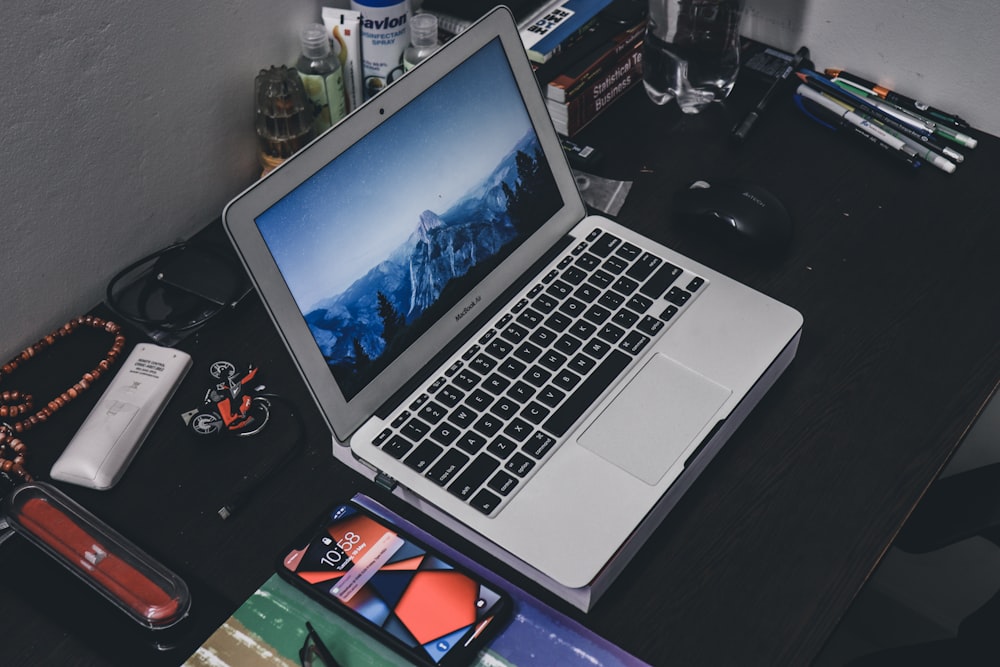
(835, 116)
(741, 130)
(898, 99)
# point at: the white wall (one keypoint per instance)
(944, 53)
(124, 126)
(128, 125)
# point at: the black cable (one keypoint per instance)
(175, 323)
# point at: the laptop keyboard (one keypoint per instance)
(483, 427)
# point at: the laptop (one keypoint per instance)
(546, 382)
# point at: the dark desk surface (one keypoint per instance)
(896, 274)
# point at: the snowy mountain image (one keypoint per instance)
(368, 324)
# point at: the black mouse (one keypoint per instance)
(739, 213)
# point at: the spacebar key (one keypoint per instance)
(585, 395)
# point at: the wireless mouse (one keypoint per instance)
(739, 213)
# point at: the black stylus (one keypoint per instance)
(741, 130)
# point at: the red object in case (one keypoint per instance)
(140, 586)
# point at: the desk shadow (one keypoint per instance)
(935, 598)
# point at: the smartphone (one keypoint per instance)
(388, 583)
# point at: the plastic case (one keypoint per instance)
(149, 593)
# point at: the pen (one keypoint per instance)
(877, 108)
(898, 98)
(918, 133)
(899, 115)
(921, 150)
(854, 123)
(741, 130)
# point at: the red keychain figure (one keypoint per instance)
(229, 405)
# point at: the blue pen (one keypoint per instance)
(855, 100)
(834, 120)
(888, 113)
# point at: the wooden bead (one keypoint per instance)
(13, 403)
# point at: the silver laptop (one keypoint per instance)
(545, 381)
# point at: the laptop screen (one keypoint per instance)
(387, 238)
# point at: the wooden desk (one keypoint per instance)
(896, 274)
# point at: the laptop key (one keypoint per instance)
(527, 352)
(519, 464)
(415, 429)
(496, 383)
(462, 416)
(445, 433)
(628, 251)
(660, 281)
(488, 425)
(521, 392)
(551, 396)
(558, 321)
(447, 467)
(502, 483)
(485, 501)
(614, 264)
(589, 390)
(466, 379)
(397, 447)
(423, 455)
(450, 396)
(539, 444)
(502, 447)
(479, 400)
(634, 342)
(677, 296)
(505, 408)
(512, 368)
(588, 262)
(639, 303)
(474, 476)
(535, 412)
(483, 364)
(644, 268)
(432, 412)
(605, 245)
(649, 325)
(470, 442)
(518, 430)
(574, 275)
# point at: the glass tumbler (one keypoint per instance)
(691, 51)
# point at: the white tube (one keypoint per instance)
(344, 27)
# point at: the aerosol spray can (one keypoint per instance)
(385, 34)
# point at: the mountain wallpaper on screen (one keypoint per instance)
(362, 329)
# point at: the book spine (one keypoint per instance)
(564, 87)
(596, 97)
(542, 37)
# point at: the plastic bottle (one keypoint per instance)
(321, 74)
(691, 51)
(385, 34)
(423, 40)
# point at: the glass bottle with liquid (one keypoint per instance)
(321, 74)
(423, 40)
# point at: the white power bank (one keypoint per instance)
(109, 438)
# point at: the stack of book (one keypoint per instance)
(595, 66)
(587, 53)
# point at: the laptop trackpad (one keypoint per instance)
(654, 418)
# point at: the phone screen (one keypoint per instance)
(367, 568)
